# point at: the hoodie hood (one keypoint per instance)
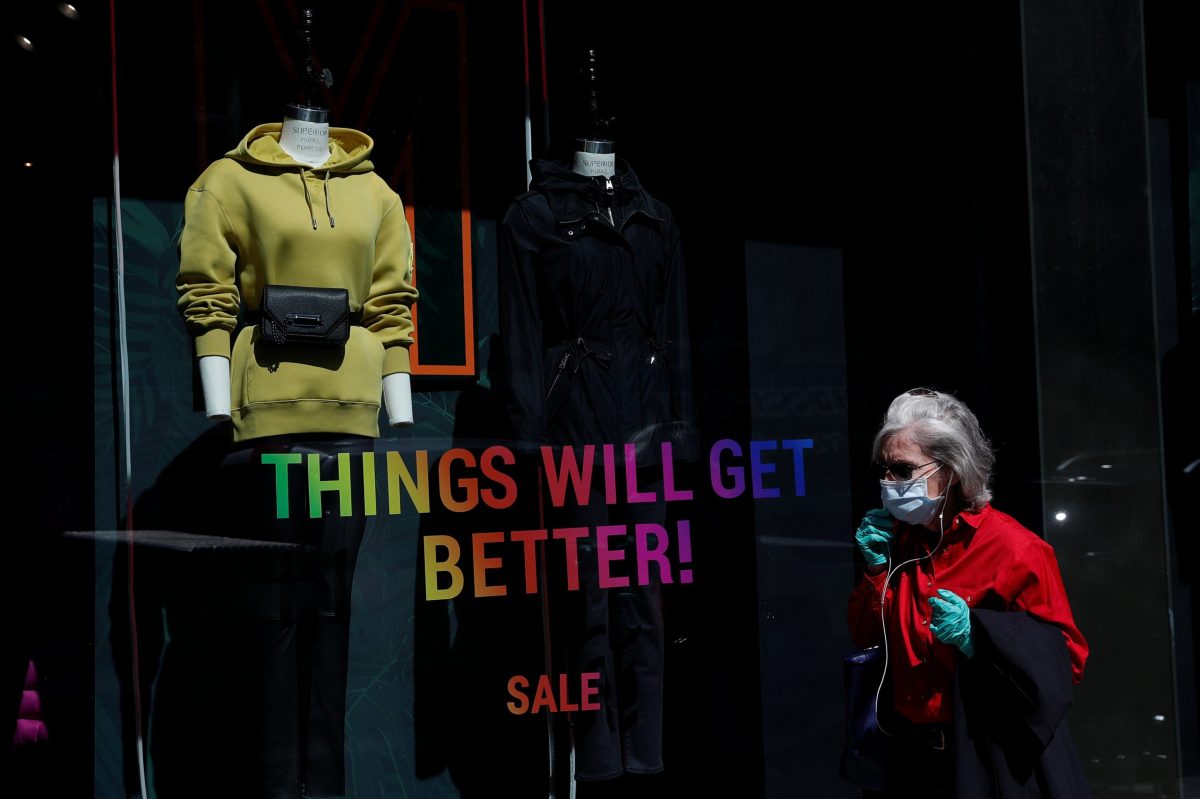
(348, 154)
(349, 150)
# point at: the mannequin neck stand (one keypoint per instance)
(594, 158)
(305, 134)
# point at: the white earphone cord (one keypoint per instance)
(883, 602)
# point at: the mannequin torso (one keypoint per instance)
(304, 136)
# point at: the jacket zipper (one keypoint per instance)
(608, 188)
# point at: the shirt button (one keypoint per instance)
(924, 621)
(929, 584)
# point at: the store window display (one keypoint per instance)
(1060, 331)
(593, 319)
(251, 222)
(298, 204)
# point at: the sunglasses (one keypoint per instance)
(899, 471)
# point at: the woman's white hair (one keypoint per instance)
(943, 426)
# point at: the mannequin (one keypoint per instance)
(593, 317)
(298, 204)
(305, 137)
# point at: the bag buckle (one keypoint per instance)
(305, 319)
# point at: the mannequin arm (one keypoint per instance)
(214, 377)
(397, 399)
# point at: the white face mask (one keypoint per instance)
(909, 500)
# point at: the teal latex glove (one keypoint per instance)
(951, 621)
(874, 535)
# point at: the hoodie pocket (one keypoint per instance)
(351, 374)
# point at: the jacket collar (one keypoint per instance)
(573, 197)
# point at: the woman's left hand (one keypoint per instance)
(951, 621)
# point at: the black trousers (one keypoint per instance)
(615, 631)
(917, 770)
(300, 639)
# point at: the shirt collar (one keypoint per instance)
(974, 518)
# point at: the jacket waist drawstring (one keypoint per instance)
(656, 347)
(580, 351)
(583, 352)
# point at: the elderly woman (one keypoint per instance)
(970, 608)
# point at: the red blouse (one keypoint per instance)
(989, 560)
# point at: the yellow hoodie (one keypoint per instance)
(256, 217)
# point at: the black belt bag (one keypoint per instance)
(304, 316)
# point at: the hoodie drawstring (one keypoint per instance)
(328, 212)
(308, 199)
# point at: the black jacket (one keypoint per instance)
(593, 315)
(1011, 701)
